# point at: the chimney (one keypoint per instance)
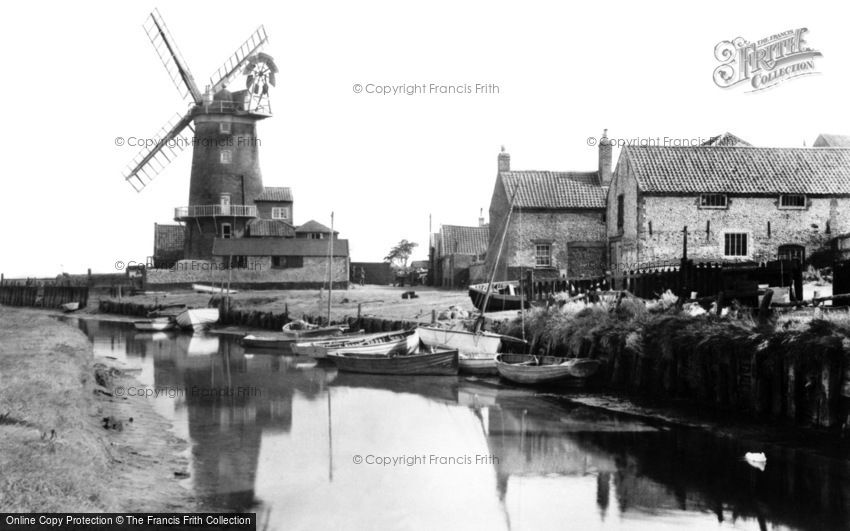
(481, 218)
(604, 159)
(504, 161)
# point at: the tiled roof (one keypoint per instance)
(456, 239)
(277, 247)
(270, 227)
(726, 139)
(741, 170)
(313, 226)
(551, 189)
(826, 140)
(168, 237)
(275, 193)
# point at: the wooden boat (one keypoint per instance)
(69, 307)
(482, 363)
(282, 340)
(157, 324)
(530, 369)
(460, 339)
(301, 330)
(197, 319)
(503, 296)
(201, 288)
(438, 363)
(384, 343)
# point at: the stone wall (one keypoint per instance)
(257, 272)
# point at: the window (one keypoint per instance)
(542, 255)
(621, 212)
(226, 156)
(712, 201)
(237, 262)
(287, 262)
(280, 213)
(224, 128)
(225, 204)
(317, 236)
(792, 252)
(226, 231)
(735, 244)
(792, 201)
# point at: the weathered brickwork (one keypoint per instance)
(258, 270)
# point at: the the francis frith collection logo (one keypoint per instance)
(765, 63)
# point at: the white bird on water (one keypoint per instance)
(756, 459)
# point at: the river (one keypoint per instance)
(306, 447)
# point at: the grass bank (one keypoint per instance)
(55, 455)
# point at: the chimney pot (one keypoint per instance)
(604, 159)
(504, 160)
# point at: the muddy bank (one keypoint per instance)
(55, 453)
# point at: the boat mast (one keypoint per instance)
(330, 268)
(480, 321)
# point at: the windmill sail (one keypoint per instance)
(169, 141)
(233, 66)
(172, 59)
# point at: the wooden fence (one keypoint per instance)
(734, 280)
(538, 289)
(43, 296)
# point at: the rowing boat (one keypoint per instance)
(302, 330)
(201, 288)
(503, 296)
(285, 340)
(197, 318)
(460, 339)
(69, 307)
(157, 324)
(373, 344)
(529, 369)
(441, 362)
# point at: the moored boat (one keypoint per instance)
(69, 307)
(302, 330)
(481, 363)
(530, 369)
(157, 324)
(441, 362)
(201, 288)
(503, 296)
(372, 344)
(197, 319)
(285, 340)
(462, 340)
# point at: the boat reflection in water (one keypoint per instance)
(307, 448)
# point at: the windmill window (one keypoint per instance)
(226, 156)
(224, 128)
(735, 244)
(792, 201)
(280, 213)
(226, 231)
(713, 201)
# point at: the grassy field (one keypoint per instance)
(54, 454)
(375, 301)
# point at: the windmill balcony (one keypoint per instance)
(209, 211)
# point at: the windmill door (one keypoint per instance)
(225, 204)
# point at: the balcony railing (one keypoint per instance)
(208, 211)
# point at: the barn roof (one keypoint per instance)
(277, 247)
(827, 140)
(741, 170)
(457, 239)
(259, 227)
(554, 189)
(275, 193)
(313, 226)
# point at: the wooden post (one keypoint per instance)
(433, 315)
(359, 313)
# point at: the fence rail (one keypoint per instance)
(43, 296)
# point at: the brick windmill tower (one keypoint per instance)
(225, 177)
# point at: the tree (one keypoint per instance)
(401, 252)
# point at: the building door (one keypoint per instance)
(225, 204)
(792, 252)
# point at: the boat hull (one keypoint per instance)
(69, 307)
(197, 319)
(480, 366)
(200, 288)
(321, 349)
(498, 302)
(287, 341)
(460, 339)
(441, 363)
(519, 369)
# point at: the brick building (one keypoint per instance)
(558, 221)
(455, 248)
(734, 201)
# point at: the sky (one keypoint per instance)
(80, 74)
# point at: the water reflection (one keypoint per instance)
(278, 435)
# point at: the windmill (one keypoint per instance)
(225, 177)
